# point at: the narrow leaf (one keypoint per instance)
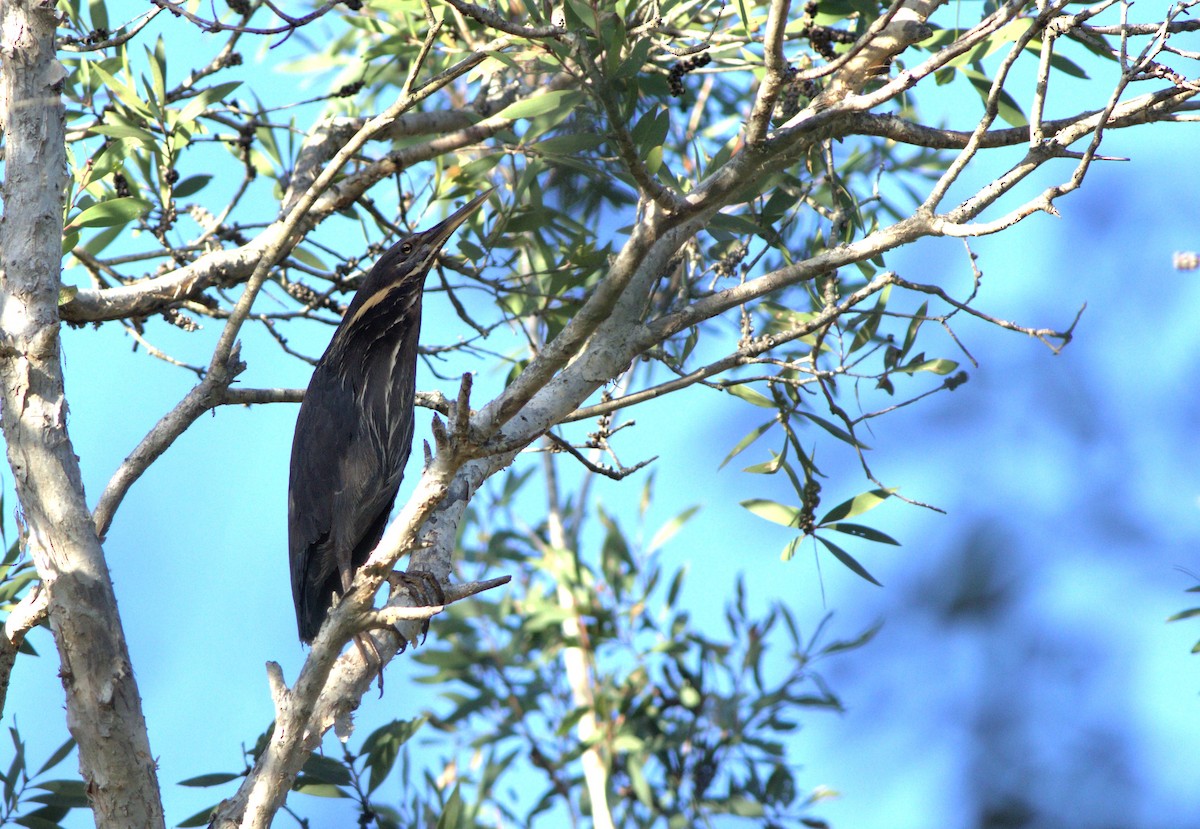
(773, 511)
(667, 531)
(857, 505)
(838, 432)
(847, 559)
(859, 531)
(213, 779)
(750, 395)
(558, 99)
(746, 441)
(117, 211)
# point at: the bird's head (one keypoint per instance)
(399, 275)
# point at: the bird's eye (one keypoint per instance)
(406, 248)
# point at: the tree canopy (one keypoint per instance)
(683, 194)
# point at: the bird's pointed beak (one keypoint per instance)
(439, 233)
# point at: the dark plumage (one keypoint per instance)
(355, 427)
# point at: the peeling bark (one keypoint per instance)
(104, 711)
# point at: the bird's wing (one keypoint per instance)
(339, 496)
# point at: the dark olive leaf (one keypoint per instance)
(190, 186)
(34, 821)
(1007, 107)
(327, 770)
(66, 794)
(201, 818)
(57, 757)
(848, 560)
(213, 779)
(838, 432)
(859, 531)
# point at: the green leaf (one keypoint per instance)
(938, 366)
(746, 441)
(57, 757)
(848, 560)
(744, 807)
(774, 511)
(637, 779)
(561, 100)
(667, 531)
(383, 747)
(452, 815)
(750, 396)
(124, 93)
(859, 531)
(124, 131)
(69, 794)
(857, 505)
(1007, 107)
(1066, 66)
(767, 467)
(190, 186)
(654, 160)
(33, 821)
(202, 100)
(318, 789)
(201, 818)
(98, 14)
(632, 66)
(744, 16)
(214, 779)
(117, 211)
(651, 129)
(866, 331)
(838, 432)
(327, 770)
(583, 12)
(569, 144)
(914, 326)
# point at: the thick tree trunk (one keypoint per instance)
(103, 708)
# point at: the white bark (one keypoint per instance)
(104, 711)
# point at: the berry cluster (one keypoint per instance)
(728, 264)
(822, 43)
(681, 68)
(173, 316)
(822, 38)
(302, 293)
(812, 499)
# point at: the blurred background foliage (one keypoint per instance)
(188, 131)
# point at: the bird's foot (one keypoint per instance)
(422, 588)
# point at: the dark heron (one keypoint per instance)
(355, 427)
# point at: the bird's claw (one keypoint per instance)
(422, 588)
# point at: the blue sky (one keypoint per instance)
(1069, 481)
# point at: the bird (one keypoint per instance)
(355, 427)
